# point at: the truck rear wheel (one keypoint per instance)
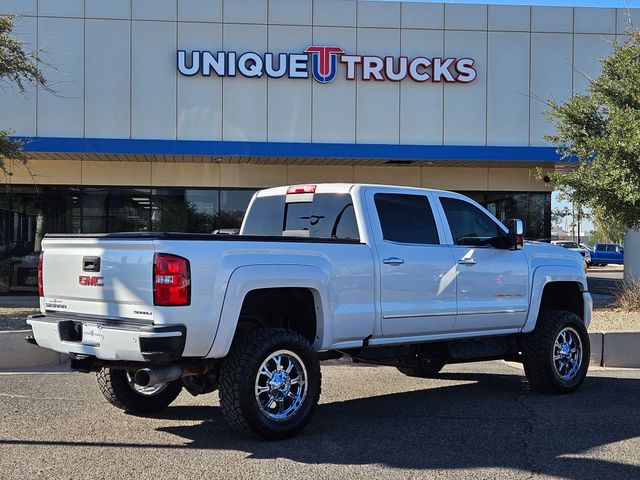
(270, 383)
(121, 391)
(556, 354)
(426, 370)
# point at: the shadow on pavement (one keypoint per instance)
(492, 421)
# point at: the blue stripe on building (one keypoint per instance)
(288, 149)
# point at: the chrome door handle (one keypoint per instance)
(393, 261)
(467, 261)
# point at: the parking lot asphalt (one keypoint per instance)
(476, 421)
(604, 282)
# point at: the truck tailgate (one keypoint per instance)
(110, 277)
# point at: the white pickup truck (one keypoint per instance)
(407, 277)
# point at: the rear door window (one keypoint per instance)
(406, 218)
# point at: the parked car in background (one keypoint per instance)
(586, 247)
(586, 254)
(605, 253)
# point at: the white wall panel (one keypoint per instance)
(378, 104)
(510, 18)
(244, 99)
(154, 10)
(199, 97)
(200, 10)
(589, 49)
(338, 13)
(627, 17)
(334, 104)
(422, 15)
(290, 12)
(92, 77)
(551, 73)
(18, 111)
(245, 11)
(378, 14)
(61, 8)
(62, 114)
(107, 78)
(595, 20)
(153, 80)
(18, 7)
(552, 19)
(465, 103)
(289, 99)
(459, 16)
(508, 89)
(421, 103)
(108, 9)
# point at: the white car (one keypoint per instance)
(407, 277)
(581, 249)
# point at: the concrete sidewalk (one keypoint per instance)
(26, 301)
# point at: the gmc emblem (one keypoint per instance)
(91, 281)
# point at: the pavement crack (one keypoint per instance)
(30, 397)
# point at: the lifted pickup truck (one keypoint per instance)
(406, 277)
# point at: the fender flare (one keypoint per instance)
(254, 277)
(546, 274)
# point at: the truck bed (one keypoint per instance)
(197, 236)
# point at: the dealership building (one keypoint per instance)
(170, 114)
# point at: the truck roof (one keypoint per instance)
(336, 188)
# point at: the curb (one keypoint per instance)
(613, 349)
(621, 349)
(16, 353)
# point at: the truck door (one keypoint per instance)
(417, 272)
(493, 283)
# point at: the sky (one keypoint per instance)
(558, 3)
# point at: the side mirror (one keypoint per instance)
(516, 233)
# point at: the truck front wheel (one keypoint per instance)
(270, 383)
(120, 390)
(556, 354)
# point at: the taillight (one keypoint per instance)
(40, 286)
(171, 280)
(301, 189)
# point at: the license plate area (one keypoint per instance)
(91, 334)
(70, 331)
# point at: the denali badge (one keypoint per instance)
(91, 281)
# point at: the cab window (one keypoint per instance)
(469, 225)
(326, 215)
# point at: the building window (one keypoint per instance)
(533, 208)
(27, 213)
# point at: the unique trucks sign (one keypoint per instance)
(321, 62)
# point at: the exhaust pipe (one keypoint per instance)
(151, 376)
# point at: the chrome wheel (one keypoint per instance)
(281, 385)
(146, 391)
(567, 354)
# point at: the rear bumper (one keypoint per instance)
(116, 340)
